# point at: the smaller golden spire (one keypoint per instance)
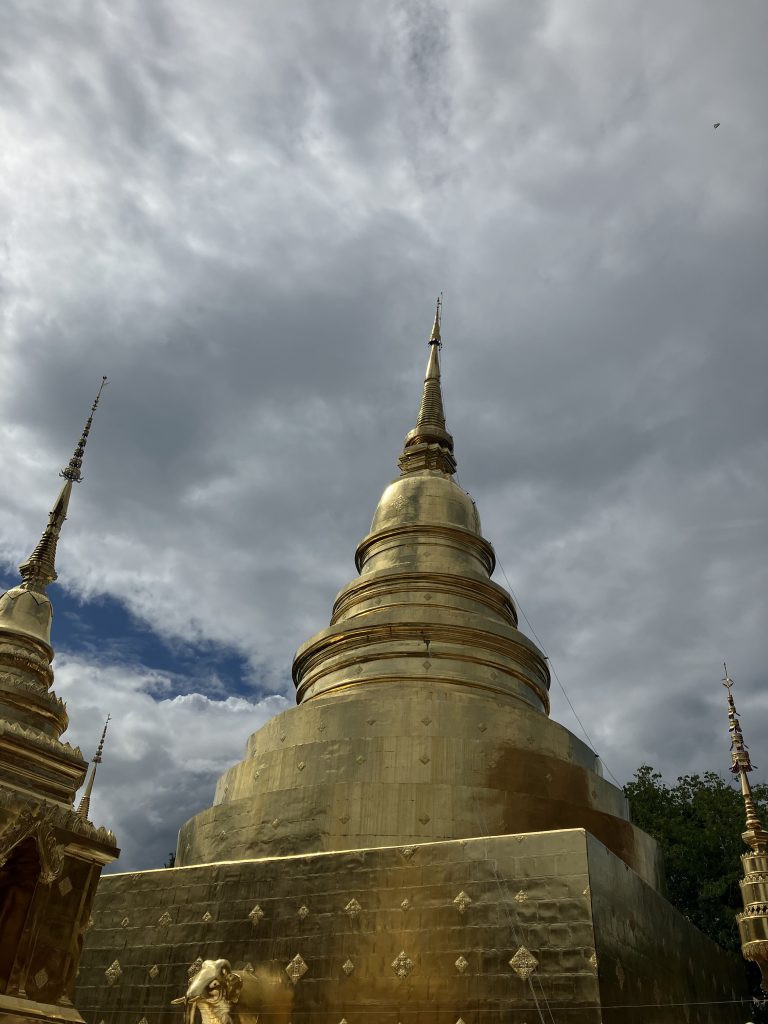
(72, 471)
(429, 445)
(435, 338)
(40, 568)
(85, 804)
(755, 836)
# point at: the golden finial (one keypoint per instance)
(727, 681)
(72, 471)
(40, 569)
(85, 804)
(741, 765)
(435, 338)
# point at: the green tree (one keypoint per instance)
(698, 824)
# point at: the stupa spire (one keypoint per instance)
(84, 808)
(755, 836)
(429, 446)
(753, 920)
(40, 568)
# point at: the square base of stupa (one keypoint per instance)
(410, 935)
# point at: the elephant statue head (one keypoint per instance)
(213, 990)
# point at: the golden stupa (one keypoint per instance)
(416, 841)
(51, 855)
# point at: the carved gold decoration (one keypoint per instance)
(164, 920)
(426, 720)
(407, 852)
(523, 963)
(41, 978)
(462, 901)
(214, 988)
(593, 961)
(353, 908)
(65, 887)
(360, 759)
(425, 759)
(194, 967)
(301, 766)
(461, 964)
(424, 818)
(142, 1020)
(125, 922)
(113, 972)
(347, 967)
(587, 892)
(406, 904)
(256, 915)
(303, 912)
(296, 969)
(521, 897)
(275, 823)
(153, 971)
(207, 917)
(402, 965)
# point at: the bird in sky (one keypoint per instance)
(716, 124)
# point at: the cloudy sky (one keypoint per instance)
(242, 213)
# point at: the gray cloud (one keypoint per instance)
(242, 214)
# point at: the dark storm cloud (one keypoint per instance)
(242, 214)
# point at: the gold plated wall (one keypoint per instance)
(478, 930)
(405, 764)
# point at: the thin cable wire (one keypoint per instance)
(590, 741)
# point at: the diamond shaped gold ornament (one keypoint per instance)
(402, 965)
(347, 967)
(256, 914)
(154, 970)
(353, 908)
(113, 972)
(462, 901)
(461, 964)
(303, 912)
(41, 978)
(164, 920)
(296, 969)
(523, 963)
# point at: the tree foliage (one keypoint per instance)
(698, 824)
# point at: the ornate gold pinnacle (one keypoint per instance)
(40, 568)
(85, 804)
(753, 921)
